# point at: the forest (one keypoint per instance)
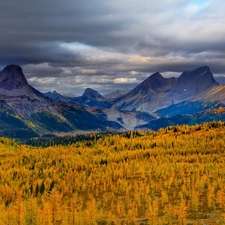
(175, 175)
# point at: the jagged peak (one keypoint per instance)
(203, 70)
(200, 74)
(13, 72)
(14, 83)
(156, 75)
(155, 81)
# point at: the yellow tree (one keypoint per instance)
(152, 211)
(55, 200)
(45, 217)
(182, 212)
(31, 211)
(20, 210)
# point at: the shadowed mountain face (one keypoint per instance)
(14, 83)
(13, 73)
(158, 92)
(194, 82)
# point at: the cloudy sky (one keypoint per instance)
(70, 45)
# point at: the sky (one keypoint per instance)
(106, 45)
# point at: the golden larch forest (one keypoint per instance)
(173, 176)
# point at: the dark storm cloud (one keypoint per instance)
(74, 44)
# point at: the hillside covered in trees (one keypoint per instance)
(173, 176)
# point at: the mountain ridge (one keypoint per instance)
(157, 92)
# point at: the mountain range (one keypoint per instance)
(156, 102)
(157, 92)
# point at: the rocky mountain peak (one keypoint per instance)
(156, 76)
(156, 82)
(13, 83)
(90, 93)
(201, 72)
(13, 73)
(197, 80)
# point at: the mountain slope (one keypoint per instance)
(116, 94)
(216, 93)
(127, 120)
(208, 115)
(12, 125)
(186, 107)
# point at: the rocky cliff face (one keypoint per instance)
(194, 82)
(13, 73)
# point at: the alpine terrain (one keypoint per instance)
(156, 102)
